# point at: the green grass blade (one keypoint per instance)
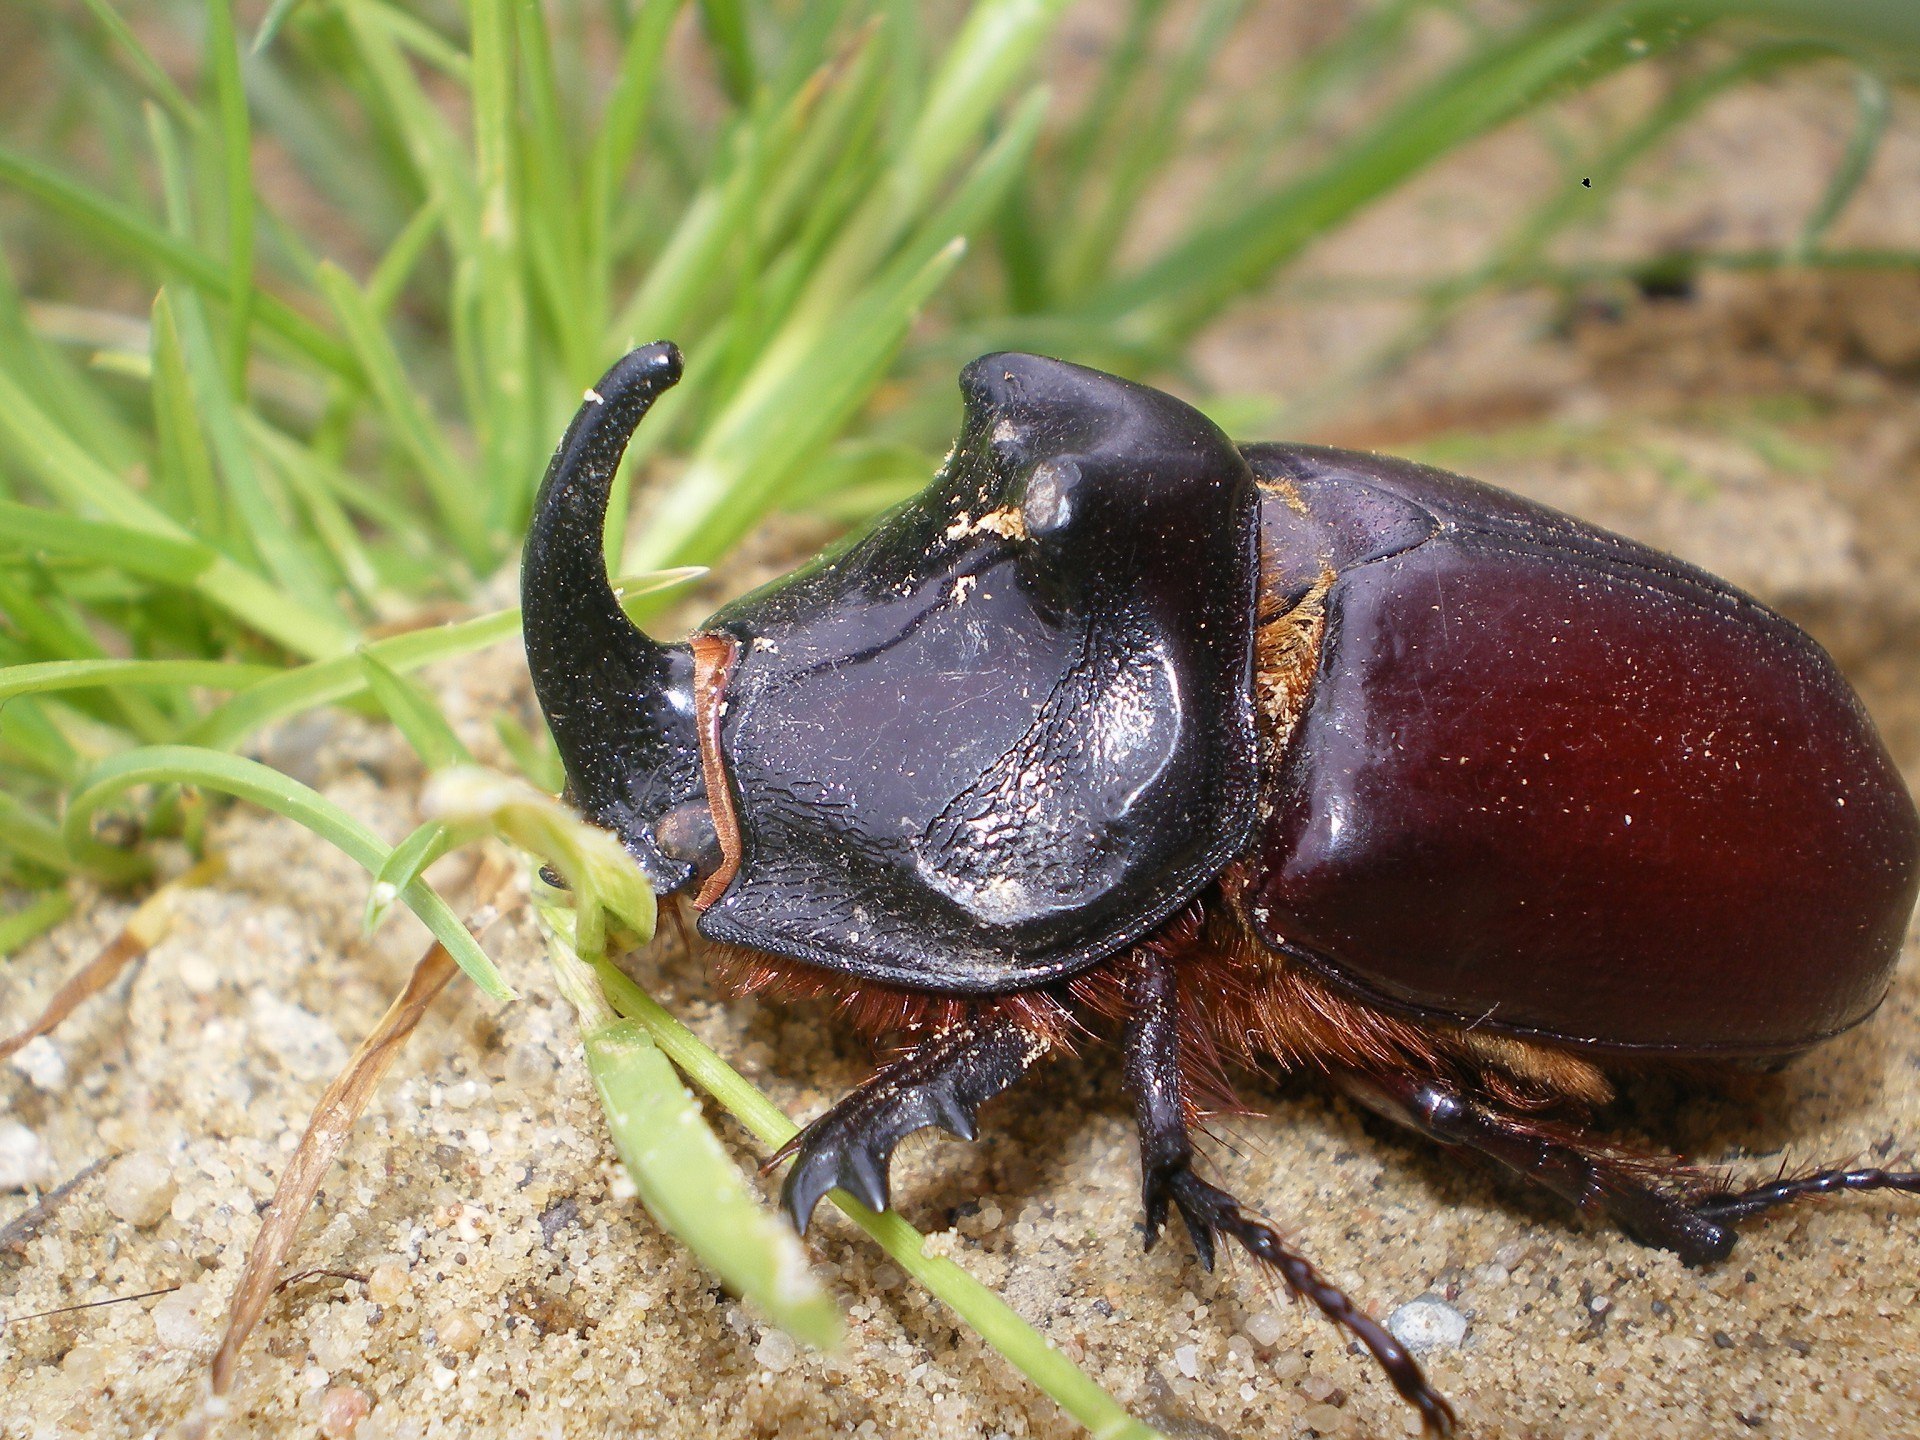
(1173, 296)
(406, 411)
(537, 758)
(407, 863)
(264, 515)
(34, 919)
(172, 559)
(601, 874)
(120, 228)
(752, 447)
(441, 165)
(614, 145)
(158, 84)
(1024, 1347)
(685, 1177)
(250, 780)
(236, 164)
(327, 682)
(72, 851)
(730, 32)
(48, 677)
(184, 468)
(1874, 101)
(413, 714)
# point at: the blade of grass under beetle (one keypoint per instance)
(250, 780)
(340, 1105)
(1025, 1348)
(407, 863)
(598, 869)
(685, 1177)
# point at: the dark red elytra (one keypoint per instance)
(1242, 754)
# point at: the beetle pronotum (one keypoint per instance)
(1259, 753)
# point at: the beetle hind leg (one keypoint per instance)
(1634, 1189)
(1168, 1180)
(1729, 1205)
(943, 1081)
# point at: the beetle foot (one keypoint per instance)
(1727, 1206)
(943, 1082)
(1207, 1209)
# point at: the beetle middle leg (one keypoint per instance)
(943, 1081)
(1153, 1077)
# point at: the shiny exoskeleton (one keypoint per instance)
(1307, 755)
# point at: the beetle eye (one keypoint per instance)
(1048, 503)
(686, 833)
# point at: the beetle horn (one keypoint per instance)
(620, 704)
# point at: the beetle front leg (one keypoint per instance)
(1152, 1041)
(943, 1081)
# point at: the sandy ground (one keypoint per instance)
(487, 1271)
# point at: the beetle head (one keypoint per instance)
(620, 704)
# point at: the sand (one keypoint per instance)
(479, 1265)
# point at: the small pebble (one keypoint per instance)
(1325, 1419)
(42, 1063)
(387, 1283)
(342, 1409)
(183, 1320)
(1187, 1357)
(1263, 1328)
(24, 1157)
(776, 1351)
(140, 1188)
(459, 1332)
(87, 1366)
(1318, 1387)
(1427, 1324)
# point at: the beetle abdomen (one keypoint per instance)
(1556, 783)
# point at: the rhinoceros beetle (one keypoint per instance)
(1262, 753)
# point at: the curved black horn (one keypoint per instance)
(620, 704)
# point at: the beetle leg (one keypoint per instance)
(1166, 1164)
(944, 1081)
(1588, 1175)
(1744, 1204)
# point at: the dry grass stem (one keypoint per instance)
(141, 933)
(327, 1132)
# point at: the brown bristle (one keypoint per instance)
(1240, 1003)
(876, 1010)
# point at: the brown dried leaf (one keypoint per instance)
(141, 933)
(327, 1132)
